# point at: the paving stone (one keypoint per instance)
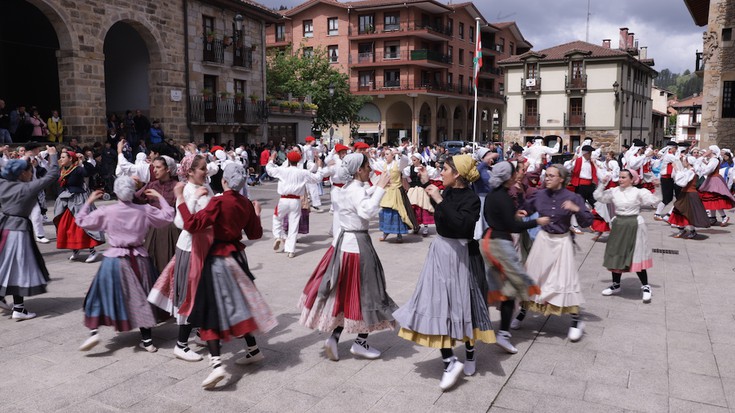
(545, 384)
(696, 388)
(699, 362)
(685, 406)
(551, 404)
(517, 399)
(625, 398)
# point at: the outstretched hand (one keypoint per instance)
(95, 196)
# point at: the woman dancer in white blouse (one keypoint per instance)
(627, 247)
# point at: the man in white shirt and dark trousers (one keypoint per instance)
(669, 191)
(584, 177)
(292, 182)
(312, 188)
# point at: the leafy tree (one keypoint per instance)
(682, 85)
(301, 75)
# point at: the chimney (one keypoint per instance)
(644, 53)
(606, 43)
(631, 41)
(623, 38)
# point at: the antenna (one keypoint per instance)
(587, 37)
(504, 16)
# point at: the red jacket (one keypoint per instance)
(265, 157)
(578, 168)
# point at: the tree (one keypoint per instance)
(682, 85)
(311, 74)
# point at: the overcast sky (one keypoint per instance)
(665, 26)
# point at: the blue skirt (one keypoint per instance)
(118, 295)
(391, 222)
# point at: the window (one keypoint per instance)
(470, 84)
(391, 50)
(501, 88)
(500, 46)
(240, 86)
(461, 57)
(461, 30)
(208, 25)
(366, 24)
(450, 79)
(472, 34)
(450, 53)
(728, 100)
(365, 80)
(391, 22)
(333, 53)
(460, 83)
(280, 32)
(210, 83)
(575, 106)
(308, 52)
(392, 78)
(365, 53)
(511, 48)
(727, 34)
(531, 108)
(332, 26)
(472, 58)
(531, 70)
(577, 69)
(308, 28)
(450, 27)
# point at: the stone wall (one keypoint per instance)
(719, 67)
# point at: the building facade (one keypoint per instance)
(580, 90)
(414, 58)
(660, 116)
(192, 64)
(716, 64)
(689, 120)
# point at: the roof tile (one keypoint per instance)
(559, 52)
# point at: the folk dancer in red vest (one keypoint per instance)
(669, 190)
(584, 177)
(715, 194)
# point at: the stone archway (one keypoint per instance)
(127, 64)
(425, 120)
(398, 122)
(460, 124)
(442, 123)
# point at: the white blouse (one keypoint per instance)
(356, 209)
(627, 201)
(194, 205)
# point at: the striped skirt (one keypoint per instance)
(391, 222)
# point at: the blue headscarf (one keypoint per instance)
(13, 169)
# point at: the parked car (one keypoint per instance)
(453, 147)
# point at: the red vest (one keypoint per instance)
(578, 168)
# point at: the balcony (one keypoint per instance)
(530, 121)
(575, 121)
(431, 58)
(699, 64)
(242, 57)
(214, 51)
(421, 29)
(384, 58)
(226, 111)
(532, 84)
(576, 83)
(489, 70)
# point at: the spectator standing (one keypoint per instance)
(55, 127)
(74, 145)
(264, 158)
(19, 124)
(142, 125)
(4, 124)
(39, 131)
(129, 129)
(156, 133)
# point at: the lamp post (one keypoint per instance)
(331, 129)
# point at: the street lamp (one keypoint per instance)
(331, 89)
(238, 21)
(331, 129)
(616, 90)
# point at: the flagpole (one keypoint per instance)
(477, 72)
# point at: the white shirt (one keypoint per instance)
(292, 180)
(356, 209)
(585, 171)
(194, 205)
(141, 168)
(627, 201)
(608, 169)
(683, 177)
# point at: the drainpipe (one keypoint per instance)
(265, 84)
(186, 70)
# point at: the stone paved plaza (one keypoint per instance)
(675, 354)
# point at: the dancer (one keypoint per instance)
(314, 190)
(291, 186)
(396, 215)
(227, 303)
(485, 160)
(334, 161)
(609, 171)
(23, 271)
(448, 305)
(551, 260)
(420, 201)
(715, 194)
(537, 151)
(117, 296)
(669, 191)
(161, 242)
(584, 177)
(346, 291)
(507, 278)
(68, 203)
(688, 211)
(175, 289)
(627, 247)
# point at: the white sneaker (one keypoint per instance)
(249, 357)
(576, 229)
(503, 340)
(186, 354)
(646, 293)
(425, 231)
(149, 348)
(515, 324)
(43, 240)
(364, 350)
(575, 333)
(470, 367)
(216, 376)
(74, 256)
(90, 342)
(5, 306)
(724, 222)
(451, 374)
(92, 258)
(277, 244)
(291, 255)
(330, 347)
(22, 315)
(612, 290)
(198, 340)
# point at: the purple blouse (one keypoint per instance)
(548, 204)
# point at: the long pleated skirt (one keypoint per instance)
(448, 303)
(161, 245)
(227, 303)
(507, 279)
(118, 294)
(627, 247)
(551, 265)
(22, 270)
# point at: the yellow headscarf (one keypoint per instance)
(466, 167)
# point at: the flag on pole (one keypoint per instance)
(478, 57)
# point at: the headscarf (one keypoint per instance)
(480, 153)
(418, 156)
(124, 188)
(501, 173)
(466, 167)
(170, 164)
(715, 150)
(235, 176)
(635, 177)
(350, 164)
(13, 169)
(184, 166)
(220, 155)
(140, 158)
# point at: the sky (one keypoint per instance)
(665, 26)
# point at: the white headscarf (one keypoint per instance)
(350, 164)
(124, 188)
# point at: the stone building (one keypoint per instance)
(414, 58)
(191, 64)
(579, 90)
(716, 64)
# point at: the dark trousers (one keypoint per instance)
(586, 191)
(669, 190)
